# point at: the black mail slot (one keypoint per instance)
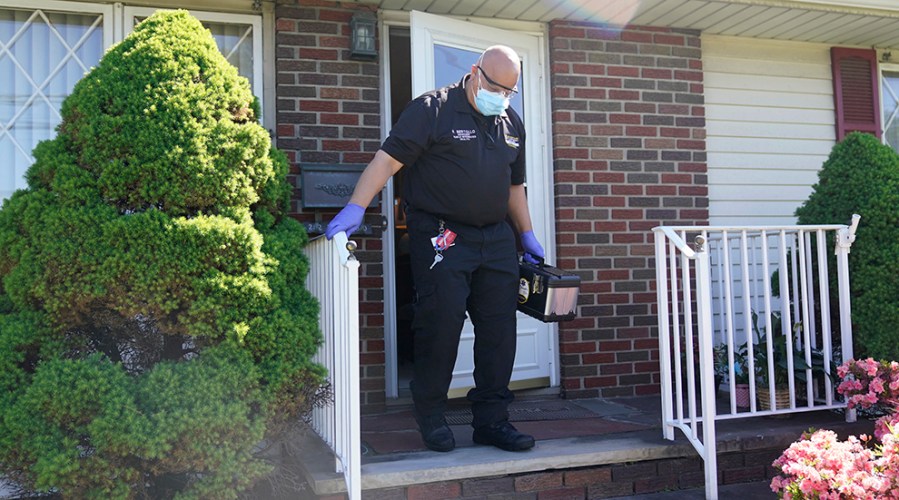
(327, 185)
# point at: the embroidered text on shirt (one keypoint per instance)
(462, 134)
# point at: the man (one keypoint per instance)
(464, 152)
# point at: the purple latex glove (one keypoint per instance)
(347, 220)
(533, 251)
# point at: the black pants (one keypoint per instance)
(478, 275)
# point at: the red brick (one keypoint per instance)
(562, 494)
(614, 83)
(576, 347)
(538, 482)
(624, 95)
(674, 132)
(434, 491)
(317, 105)
(569, 153)
(692, 76)
(743, 475)
(318, 54)
(634, 471)
(565, 32)
(597, 359)
(338, 93)
(654, 484)
(339, 119)
(286, 25)
(656, 74)
(340, 16)
(633, 36)
(333, 42)
(588, 93)
(625, 118)
(662, 39)
(628, 71)
(615, 345)
(617, 369)
(609, 201)
(371, 358)
(660, 144)
(642, 132)
(588, 69)
(610, 130)
(572, 177)
(591, 382)
(488, 486)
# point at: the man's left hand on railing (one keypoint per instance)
(347, 220)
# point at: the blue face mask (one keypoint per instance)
(490, 103)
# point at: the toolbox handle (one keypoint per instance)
(541, 263)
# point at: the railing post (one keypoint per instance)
(844, 240)
(334, 280)
(706, 367)
(664, 345)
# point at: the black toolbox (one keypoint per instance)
(546, 292)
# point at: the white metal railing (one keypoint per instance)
(334, 280)
(715, 299)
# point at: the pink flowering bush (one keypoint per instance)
(820, 466)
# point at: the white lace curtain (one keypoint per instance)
(43, 54)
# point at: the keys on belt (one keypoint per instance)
(444, 239)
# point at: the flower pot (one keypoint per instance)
(781, 399)
(741, 394)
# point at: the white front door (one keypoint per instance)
(442, 51)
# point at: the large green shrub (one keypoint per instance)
(861, 176)
(154, 323)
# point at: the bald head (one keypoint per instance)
(501, 64)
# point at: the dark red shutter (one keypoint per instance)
(856, 98)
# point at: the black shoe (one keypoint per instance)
(504, 436)
(435, 433)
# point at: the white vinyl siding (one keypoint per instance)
(770, 126)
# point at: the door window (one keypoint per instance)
(450, 63)
(238, 36)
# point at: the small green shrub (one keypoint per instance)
(154, 321)
(861, 176)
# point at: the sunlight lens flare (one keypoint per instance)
(613, 13)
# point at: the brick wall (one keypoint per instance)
(329, 112)
(629, 149)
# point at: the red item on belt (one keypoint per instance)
(444, 240)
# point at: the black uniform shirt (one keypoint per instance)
(459, 163)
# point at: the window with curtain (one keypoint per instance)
(42, 55)
(889, 83)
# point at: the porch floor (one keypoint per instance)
(621, 430)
